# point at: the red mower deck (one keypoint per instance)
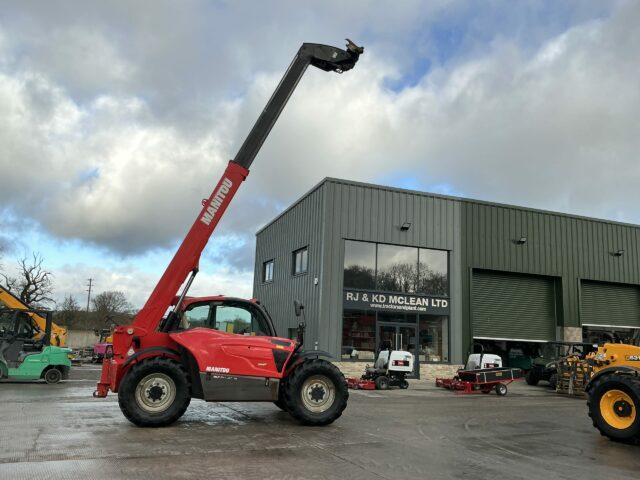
(481, 381)
(359, 384)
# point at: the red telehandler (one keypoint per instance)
(220, 348)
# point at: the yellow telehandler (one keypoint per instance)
(614, 391)
(58, 334)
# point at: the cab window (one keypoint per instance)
(26, 328)
(196, 316)
(230, 317)
(7, 323)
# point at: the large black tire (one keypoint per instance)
(382, 383)
(315, 392)
(53, 375)
(532, 377)
(609, 384)
(281, 405)
(154, 393)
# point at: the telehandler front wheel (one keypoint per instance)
(316, 393)
(154, 393)
(614, 403)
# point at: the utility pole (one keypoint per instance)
(90, 284)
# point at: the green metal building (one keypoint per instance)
(379, 266)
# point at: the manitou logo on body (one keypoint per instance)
(216, 201)
(217, 370)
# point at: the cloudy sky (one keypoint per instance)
(117, 118)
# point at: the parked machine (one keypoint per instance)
(103, 346)
(545, 366)
(483, 373)
(390, 369)
(24, 358)
(221, 348)
(58, 334)
(614, 391)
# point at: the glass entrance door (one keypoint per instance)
(399, 336)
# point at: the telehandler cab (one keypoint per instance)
(221, 348)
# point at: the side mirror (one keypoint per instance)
(299, 307)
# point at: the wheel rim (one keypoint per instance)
(617, 409)
(155, 392)
(52, 376)
(318, 393)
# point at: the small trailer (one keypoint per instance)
(481, 381)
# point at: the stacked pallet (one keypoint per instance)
(573, 375)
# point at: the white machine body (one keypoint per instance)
(396, 361)
(477, 361)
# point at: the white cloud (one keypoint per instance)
(111, 132)
(137, 284)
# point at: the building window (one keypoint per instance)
(393, 268)
(397, 268)
(359, 265)
(433, 338)
(358, 335)
(267, 271)
(433, 272)
(300, 261)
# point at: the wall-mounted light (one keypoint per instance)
(521, 241)
(405, 226)
(618, 253)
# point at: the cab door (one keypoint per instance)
(236, 357)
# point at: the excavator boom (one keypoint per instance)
(58, 334)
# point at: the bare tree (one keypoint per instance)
(111, 302)
(33, 282)
(69, 304)
(69, 311)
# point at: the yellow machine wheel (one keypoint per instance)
(617, 409)
(614, 400)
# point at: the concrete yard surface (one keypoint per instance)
(61, 432)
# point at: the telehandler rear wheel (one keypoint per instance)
(614, 403)
(154, 393)
(281, 405)
(316, 393)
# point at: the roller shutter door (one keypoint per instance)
(513, 306)
(609, 304)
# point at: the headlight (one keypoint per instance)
(601, 357)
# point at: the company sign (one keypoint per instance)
(399, 302)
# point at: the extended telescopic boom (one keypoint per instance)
(186, 259)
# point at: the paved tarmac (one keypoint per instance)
(61, 432)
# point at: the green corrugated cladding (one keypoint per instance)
(507, 305)
(610, 304)
(478, 235)
(566, 247)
